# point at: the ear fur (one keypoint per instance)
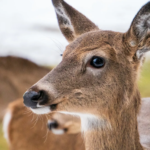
(71, 22)
(138, 36)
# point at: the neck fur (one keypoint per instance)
(120, 133)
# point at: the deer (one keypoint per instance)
(32, 134)
(25, 130)
(96, 79)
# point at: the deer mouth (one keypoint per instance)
(39, 102)
(43, 109)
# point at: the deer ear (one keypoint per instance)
(138, 36)
(71, 22)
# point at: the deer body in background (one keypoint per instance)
(11, 87)
(23, 130)
(31, 132)
(97, 79)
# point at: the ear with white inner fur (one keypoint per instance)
(71, 22)
(138, 36)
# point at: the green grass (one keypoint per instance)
(144, 86)
(144, 82)
(3, 144)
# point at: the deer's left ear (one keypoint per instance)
(138, 36)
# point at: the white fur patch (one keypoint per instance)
(95, 72)
(144, 140)
(141, 53)
(58, 131)
(39, 106)
(89, 122)
(41, 110)
(141, 24)
(6, 122)
(61, 12)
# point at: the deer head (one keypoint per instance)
(97, 77)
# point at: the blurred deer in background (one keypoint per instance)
(32, 134)
(24, 131)
(97, 79)
(12, 88)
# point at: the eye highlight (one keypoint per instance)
(97, 62)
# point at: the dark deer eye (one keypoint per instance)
(97, 62)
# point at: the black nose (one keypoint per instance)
(52, 125)
(32, 98)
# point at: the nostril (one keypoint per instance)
(33, 99)
(37, 96)
(53, 107)
(53, 125)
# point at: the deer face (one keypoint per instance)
(98, 69)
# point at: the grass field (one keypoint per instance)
(3, 145)
(144, 86)
(144, 82)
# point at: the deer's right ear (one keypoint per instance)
(138, 36)
(71, 22)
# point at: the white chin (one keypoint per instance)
(58, 131)
(41, 110)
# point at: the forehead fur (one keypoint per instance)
(106, 41)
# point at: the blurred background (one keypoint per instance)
(29, 29)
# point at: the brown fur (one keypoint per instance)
(69, 123)
(16, 75)
(109, 93)
(28, 131)
(26, 136)
(81, 24)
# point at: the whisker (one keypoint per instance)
(35, 122)
(60, 47)
(60, 44)
(47, 131)
(46, 136)
(27, 111)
